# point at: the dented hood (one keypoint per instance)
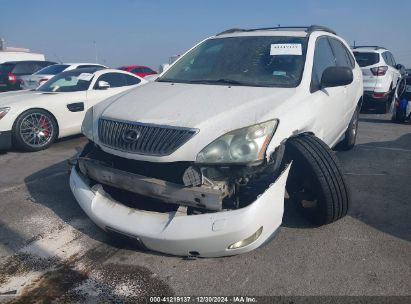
(212, 109)
(197, 105)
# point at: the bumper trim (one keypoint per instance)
(199, 197)
(178, 234)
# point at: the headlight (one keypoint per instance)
(87, 125)
(240, 146)
(3, 112)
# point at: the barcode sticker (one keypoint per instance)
(286, 49)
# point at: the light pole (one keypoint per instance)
(95, 50)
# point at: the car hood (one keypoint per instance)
(12, 98)
(197, 105)
(212, 109)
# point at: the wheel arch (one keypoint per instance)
(38, 108)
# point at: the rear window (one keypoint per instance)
(6, 68)
(52, 69)
(365, 59)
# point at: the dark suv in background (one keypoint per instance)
(11, 71)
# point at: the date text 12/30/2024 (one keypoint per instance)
(203, 299)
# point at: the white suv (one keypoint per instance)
(196, 163)
(380, 73)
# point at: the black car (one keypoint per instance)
(11, 71)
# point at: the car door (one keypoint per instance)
(328, 103)
(118, 82)
(344, 58)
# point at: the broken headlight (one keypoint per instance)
(240, 146)
(87, 125)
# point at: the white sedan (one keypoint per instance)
(33, 81)
(33, 120)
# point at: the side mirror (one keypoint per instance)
(336, 77)
(103, 85)
(401, 68)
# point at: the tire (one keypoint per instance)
(351, 134)
(383, 108)
(34, 130)
(316, 182)
(398, 116)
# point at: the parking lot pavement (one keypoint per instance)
(48, 247)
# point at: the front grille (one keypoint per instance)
(141, 138)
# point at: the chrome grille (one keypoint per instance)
(150, 139)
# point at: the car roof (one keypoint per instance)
(20, 61)
(296, 31)
(134, 66)
(90, 70)
(369, 48)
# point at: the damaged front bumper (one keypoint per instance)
(207, 235)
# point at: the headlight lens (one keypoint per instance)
(3, 112)
(87, 125)
(240, 146)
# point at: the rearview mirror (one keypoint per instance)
(103, 85)
(336, 77)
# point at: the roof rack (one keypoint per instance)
(375, 47)
(308, 29)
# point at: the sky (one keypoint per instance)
(137, 32)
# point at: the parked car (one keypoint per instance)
(139, 70)
(380, 73)
(12, 72)
(33, 120)
(196, 162)
(6, 56)
(33, 81)
(401, 109)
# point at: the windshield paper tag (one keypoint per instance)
(85, 76)
(286, 49)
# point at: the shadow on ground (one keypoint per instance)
(378, 178)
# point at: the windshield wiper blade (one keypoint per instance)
(222, 80)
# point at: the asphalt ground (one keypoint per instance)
(50, 250)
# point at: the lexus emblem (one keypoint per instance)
(130, 136)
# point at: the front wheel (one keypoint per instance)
(34, 130)
(316, 182)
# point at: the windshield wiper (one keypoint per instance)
(217, 81)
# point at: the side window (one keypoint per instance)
(392, 59)
(138, 71)
(114, 79)
(23, 68)
(148, 71)
(340, 53)
(132, 80)
(388, 58)
(323, 58)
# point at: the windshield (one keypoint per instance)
(249, 61)
(52, 69)
(366, 59)
(70, 81)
